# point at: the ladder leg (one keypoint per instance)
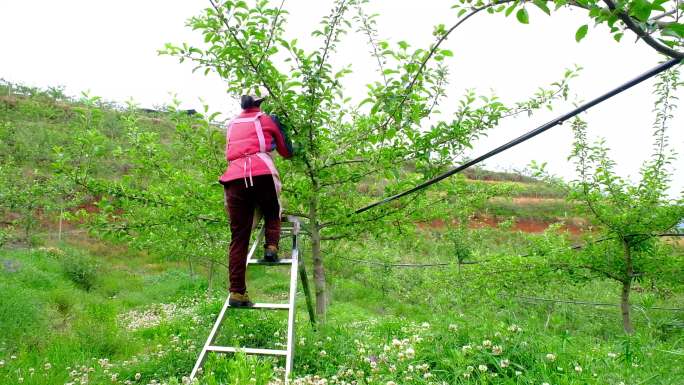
(210, 340)
(292, 313)
(307, 293)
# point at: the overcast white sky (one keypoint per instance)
(110, 48)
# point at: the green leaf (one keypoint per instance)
(640, 9)
(523, 16)
(618, 36)
(581, 32)
(674, 29)
(560, 3)
(446, 52)
(510, 9)
(542, 5)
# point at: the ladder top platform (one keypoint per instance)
(264, 262)
(277, 306)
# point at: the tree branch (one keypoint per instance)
(648, 39)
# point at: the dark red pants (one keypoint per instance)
(241, 201)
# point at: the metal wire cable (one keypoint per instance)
(529, 135)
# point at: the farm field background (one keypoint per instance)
(83, 305)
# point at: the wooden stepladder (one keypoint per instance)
(290, 227)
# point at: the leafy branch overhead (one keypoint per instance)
(659, 24)
(346, 143)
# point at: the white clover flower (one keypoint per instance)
(392, 368)
(323, 353)
(466, 374)
(20, 379)
(396, 342)
(453, 327)
(410, 353)
(482, 368)
(427, 375)
(487, 343)
(545, 383)
(115, 376)
(551, 357)
(47, 366)
(504, 363)
(497, 350)
(410, 368)
(137, 376)
(578, 369)
(514, 328)
(612, 355)
(13, 357)
(425, 325)
(466, 348)
(391, 383)
(2, 363)
(518, 373)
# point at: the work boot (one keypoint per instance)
(239, 300)
(271, 253)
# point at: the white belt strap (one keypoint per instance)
(260, 132)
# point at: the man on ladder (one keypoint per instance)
(252, 182)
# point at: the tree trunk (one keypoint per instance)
(626, 289)
(318, 269)
(61, 219)
(210, 275)
(190, 267)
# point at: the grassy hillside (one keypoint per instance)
(78, 309)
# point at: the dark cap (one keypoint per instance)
(248, 101)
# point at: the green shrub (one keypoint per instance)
(20, 313)
(63, 300)
(81, 271)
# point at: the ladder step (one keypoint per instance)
(227, 349)
(264, 262)
(277, 306)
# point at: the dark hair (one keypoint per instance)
(247, 101)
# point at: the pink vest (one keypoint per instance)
(248, 151)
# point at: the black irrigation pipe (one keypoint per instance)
(656, 70)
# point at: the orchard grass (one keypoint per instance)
(451, 325)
